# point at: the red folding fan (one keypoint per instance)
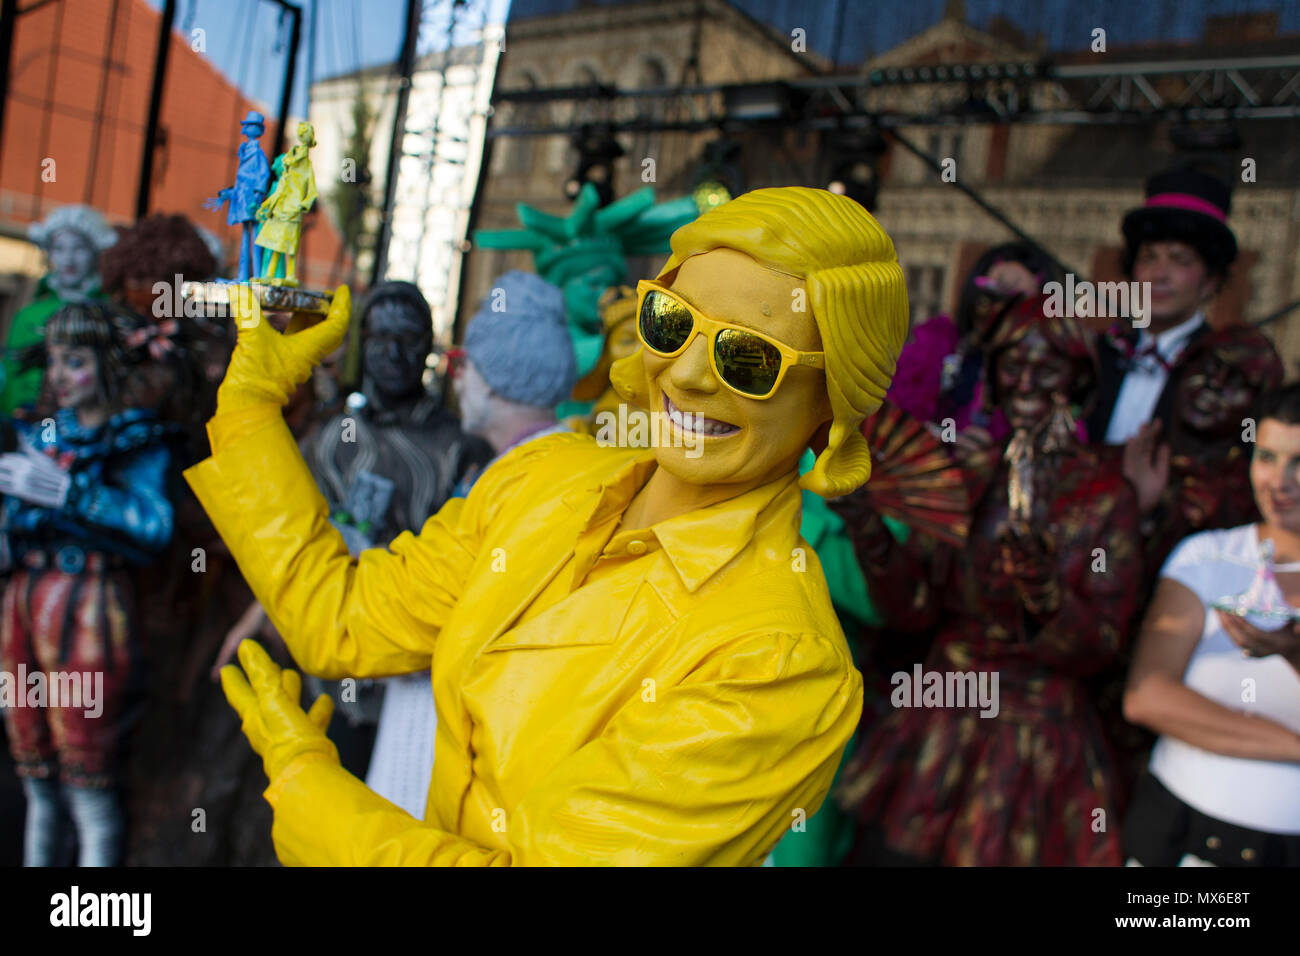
(914, 478)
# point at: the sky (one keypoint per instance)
(351, 34)
(247, 42)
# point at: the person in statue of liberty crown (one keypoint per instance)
(247, 194)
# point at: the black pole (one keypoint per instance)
(155, 108)
(8, 14)
(406, 68)
(295, 36)
(1281, 313)
(475, 207)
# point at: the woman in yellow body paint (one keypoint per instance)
(634, 655)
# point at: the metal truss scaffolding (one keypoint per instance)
(973, 93)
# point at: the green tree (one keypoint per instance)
(352, 198)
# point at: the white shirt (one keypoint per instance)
(1140, 391)
(1260, 794)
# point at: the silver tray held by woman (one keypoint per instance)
(214, 297)
(1260, 601)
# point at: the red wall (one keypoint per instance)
(62, 55)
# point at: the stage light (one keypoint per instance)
(597, 149)
(853, 165)
(717, 179)
(710, 194)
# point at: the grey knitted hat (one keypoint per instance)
(519, 341)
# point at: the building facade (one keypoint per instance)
(1066, 185)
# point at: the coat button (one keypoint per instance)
(1213, 842)
(636, 547)
(1248, 854)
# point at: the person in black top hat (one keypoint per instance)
(1179, 241)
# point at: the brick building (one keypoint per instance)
(79, 86)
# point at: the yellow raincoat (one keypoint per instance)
(674, 695)
(295, 192)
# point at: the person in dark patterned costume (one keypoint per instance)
(1040, 596)
(1203, 481)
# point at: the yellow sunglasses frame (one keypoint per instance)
(709, 328)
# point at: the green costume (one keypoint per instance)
(827, 836)
(23, 387)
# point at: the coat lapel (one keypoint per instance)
(1109, 379)
(1165, 404)
(531, 562)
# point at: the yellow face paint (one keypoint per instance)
(740, 440)
(852, 288)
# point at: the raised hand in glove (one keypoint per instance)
(274, 723)
(267, 366)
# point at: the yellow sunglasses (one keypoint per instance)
(747, 362)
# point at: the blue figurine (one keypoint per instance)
(251, 183)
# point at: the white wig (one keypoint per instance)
(80, 219)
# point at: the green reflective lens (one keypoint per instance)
(747, 363)
(665, 322)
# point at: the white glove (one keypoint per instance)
(34, 478)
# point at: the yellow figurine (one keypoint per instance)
(634, 655)
(281, 212)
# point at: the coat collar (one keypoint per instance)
(700, 543)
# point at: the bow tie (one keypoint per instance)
(1147, 358)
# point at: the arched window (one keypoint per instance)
(652, 74)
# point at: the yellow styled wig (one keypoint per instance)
(856, 291)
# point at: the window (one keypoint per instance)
(924, 291)
(651, 75)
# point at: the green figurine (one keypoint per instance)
(282, 211)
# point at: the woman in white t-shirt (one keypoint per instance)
(1222, 691)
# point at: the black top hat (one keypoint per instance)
(1189, 205)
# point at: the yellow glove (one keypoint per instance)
(273, 722)
(267, 367)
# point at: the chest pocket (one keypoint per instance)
(597, 614)
(543, 690)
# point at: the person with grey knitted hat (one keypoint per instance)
(519, 363)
